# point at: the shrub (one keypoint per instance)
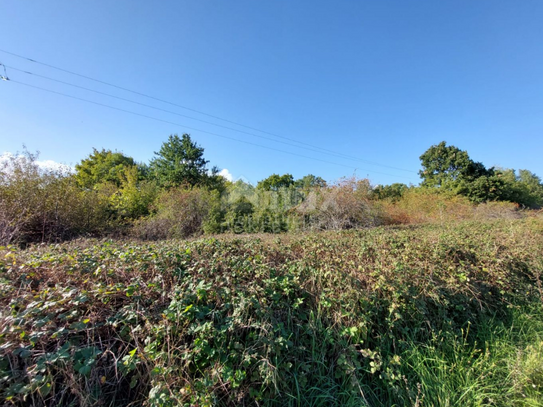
(180, 213)
(134, 197)
(345, 205)
(392, 192)
(390, 316)
(252, 210)
(421, 205)
(39, 205)
(497, 210)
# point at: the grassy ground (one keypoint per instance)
(438, 315)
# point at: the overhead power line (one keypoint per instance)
(198, 130)
(183, 115)
(335, 153)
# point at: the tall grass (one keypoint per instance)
(501, 366)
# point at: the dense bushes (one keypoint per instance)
(50, 205)
(406, 316)
(242, 208)
(347, 204)
(179, 213)
(176, 195)
(46, 205)
(424, 205)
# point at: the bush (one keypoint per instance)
(345, 205)
(246, 209)
(180, 213)
(134, 197)
(400, 316)
(392, 192)
(497, 210)
(422, 205)
(38, 205)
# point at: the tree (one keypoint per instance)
(274, 182)
(310, 181)
(485, 188)
(134, 197)
(449, 167)
(213, 181)
(179, 161)
(525, 188)
(533, 188)
(391, 192)
(102, 167)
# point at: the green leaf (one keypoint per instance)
(45, 389)
(85, 370)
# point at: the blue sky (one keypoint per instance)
(380, 81)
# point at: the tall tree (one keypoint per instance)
(525, 188)
(310, 181)
(274, 182)
(103, 166)
(452, 169)
(179, 161)
(449, 167)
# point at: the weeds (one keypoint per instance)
(417, 315)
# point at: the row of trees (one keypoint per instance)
(179, 161)
(177, 195)
(451, 169)
(447, 169)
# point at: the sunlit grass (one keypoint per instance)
(436, 315)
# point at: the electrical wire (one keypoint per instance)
(342, 155)
(179, 114)
(199, 130)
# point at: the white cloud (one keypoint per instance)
(226, 174)
(53, 165)
(43, 164)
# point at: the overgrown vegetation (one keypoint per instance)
(439, 315)
(177, 196)
(399, 295)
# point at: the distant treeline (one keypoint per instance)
(177, 195)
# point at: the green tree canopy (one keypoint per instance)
(274, 182)
(391, 192)
(524, 188)
(449, 167)
(310, 181)
(179, 161)
(213, 181)
(532, 184)
(102, 167)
